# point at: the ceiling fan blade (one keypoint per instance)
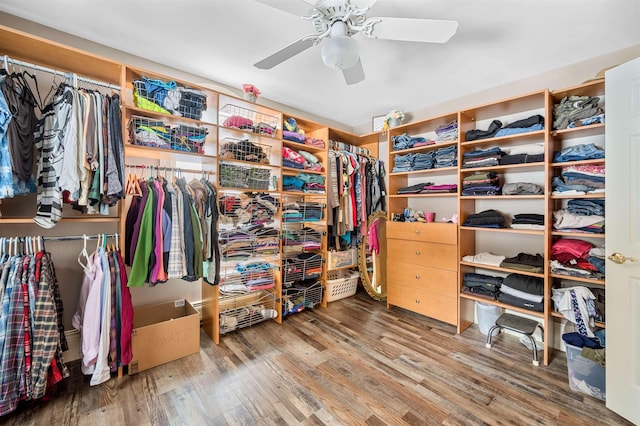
(410, 29)
(286, 53)
(295, 7)
(355, 74)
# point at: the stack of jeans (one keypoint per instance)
(446, 157)
(423, 160)
(402, 163)
(404, 141)
(482, 157)
(587, 151)
(447, 132)
(580, 179)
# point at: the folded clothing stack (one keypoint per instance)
(481, 285)
(482, 158)
(525, 262)
(531, 221)
(577, 258)
(530, 124)
(486, 219)
(484, 183)
(521, 188)
(523, 291)
(585, 216)
(574, 111)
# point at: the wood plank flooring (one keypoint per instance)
(354, 362)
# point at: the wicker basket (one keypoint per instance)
(341, 283)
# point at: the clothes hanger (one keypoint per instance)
(84, 253)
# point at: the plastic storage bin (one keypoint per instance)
(487, 315)
(585, 375)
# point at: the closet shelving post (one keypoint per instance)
(249, 175)
(505, 241)
(298, 234)
(422, 257)
(559, 139)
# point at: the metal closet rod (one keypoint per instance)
(73, 77)
(169, 169)
(71, 237)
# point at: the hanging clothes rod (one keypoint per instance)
(169, 169)
(73, 78)
(80, 237)
(348, 147)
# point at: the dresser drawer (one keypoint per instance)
(444, 233)
(443, 256)
(431, 280)
(432, 305)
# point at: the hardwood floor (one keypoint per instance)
(353, 363)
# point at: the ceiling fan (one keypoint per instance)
(337, 20)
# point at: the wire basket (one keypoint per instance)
(302, 211)
(242, 311)
(144, 131)
(301, 296)
(299, 240)
(169, 98)
(237, 117)
(302, 267)
(237, 176)
(240, 244)
(245, 150)
(246, 277)
(341, 283)
(247, 209)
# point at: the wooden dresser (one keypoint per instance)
(422, 268)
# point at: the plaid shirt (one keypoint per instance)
(45, 328)
(12, 361)
(176, 267)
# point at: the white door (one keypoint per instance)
(622, 109)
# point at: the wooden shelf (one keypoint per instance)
(580, 279)
(502, 305)
(292, 170)
(505, 167)
(579, 132)
(431, 147)
(503, 230)
(508, 138)
(426, 171)
(578, 163)
(500, 269)
(169, 117)
(564, 197)
(304, 147)
(577, 234)
(79, 219)
(502, 197)
(440, 194)
(148, 152)
(556, 314)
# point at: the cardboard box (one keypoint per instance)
(163, 333)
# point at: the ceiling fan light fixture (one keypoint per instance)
(340, 52)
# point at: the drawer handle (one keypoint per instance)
(418, 252)
(417, 277)
(417, 231)
(417, 300)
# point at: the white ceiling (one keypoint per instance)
(497, 42)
